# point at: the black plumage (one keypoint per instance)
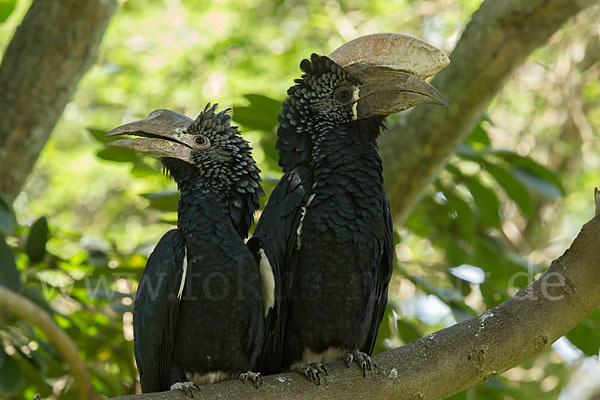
(199, 310)
(328, 221)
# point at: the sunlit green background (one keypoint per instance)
(500, 228)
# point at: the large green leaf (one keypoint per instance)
(486, 200)
(479, 134)
(261, 114)
(9, 274)
(7, 216)
(532, 174)
(407, 330)
(513, 187)
(537, 183)
(98, 135)
(11, 378)
(118, 154)
(586, 335)
(36, 242)
(164, 201)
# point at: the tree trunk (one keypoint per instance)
(53, 47)
(497, 40)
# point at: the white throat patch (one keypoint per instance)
(268, 282)
(183, 274)
(355, 97)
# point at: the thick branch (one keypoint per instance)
(497, 40)
(30, 311)
(458, 357)
(52, 48)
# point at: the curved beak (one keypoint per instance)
(385, 91)
(393, 68)
(161, 134)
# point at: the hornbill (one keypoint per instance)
(328, 220)
(198, 312)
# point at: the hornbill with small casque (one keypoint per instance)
(198, 313)
(328, 220)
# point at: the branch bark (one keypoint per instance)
(457, 357)
(50, 51)
(497, 40)
(30, 311)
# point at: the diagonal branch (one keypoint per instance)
(460, 356)
(30, 311)
(497, 40)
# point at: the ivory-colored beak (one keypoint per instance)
(392, 68)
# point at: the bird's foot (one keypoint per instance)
(362, 359)
(311, 370)
(255, 377)
(186, 387)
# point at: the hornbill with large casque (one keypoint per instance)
(328, 221)
(198, 313)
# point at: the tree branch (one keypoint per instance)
(457, 357)
(497, 40)
(30, 311)
(50, 51)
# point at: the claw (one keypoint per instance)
(362, 359)
(186, 387)
(256, 377)
(311, 370)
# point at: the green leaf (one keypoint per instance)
(6, 9)
(11, 377)
(9, 274)
(117, 154)
(260, 114)
(465, 220)
(273, 106)
(532, 174)
(36, 242)
(537, 183)
(7, 216)
(164, 201)
(98, 135)
(513, 187)
(408, 331)
(479, 134)
(586, 335)
(486, 200)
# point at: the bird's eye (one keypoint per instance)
(343, 94)
(202, 141)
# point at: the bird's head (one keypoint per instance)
(374, 75)
(366, 79)
(203, 154)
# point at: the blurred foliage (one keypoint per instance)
(509, 201)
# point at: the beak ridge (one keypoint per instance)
(161, 135)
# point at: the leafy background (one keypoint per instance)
(509, 201)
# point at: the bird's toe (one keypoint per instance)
(362, 359)
(313, 371)
(186, 387)
(255, 377)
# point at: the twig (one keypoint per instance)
(25, 308)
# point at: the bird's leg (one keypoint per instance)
(255, 377)
(362, 359)
(311, 370)
(186, 387)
